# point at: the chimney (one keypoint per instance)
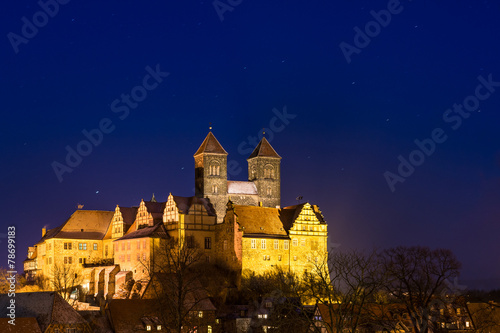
(44, 231)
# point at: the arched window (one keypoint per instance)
(269, 171)
(269, 191)
(214, 169)
(214, 189)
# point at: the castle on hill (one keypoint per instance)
(238, 223)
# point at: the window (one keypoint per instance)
(49, 246)
(82, 246)
(208, 243)
(467, 324)
(254, 244)
(143, 243)
(128, 257)
(209, 329)
(148, 327)
(71, 330)
(214, 170)
(128, 245)
(123, 246)
(50, 260)
(68, 260)
(268, 191)
(68, 246)
(95, 246)
(106, 251)
(80, 260)
(225, 245)
(214, 188)
(144, 256)
(268, 258)
(158, 327)
(295, 242)
(138, 244)
(286, 245)
(263, 244)
(458, 311)
(303, 242)
(264, 258)
(276, 244)
(117, 247)
(279, 258)
(138, 256)
(200, 314)
(294, 258)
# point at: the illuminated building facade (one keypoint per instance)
(239, 223)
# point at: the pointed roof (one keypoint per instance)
(264, 149)
(210, 145)
(153, 199)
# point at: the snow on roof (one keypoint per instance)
(240, 187)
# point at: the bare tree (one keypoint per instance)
(418, 277)
(65, 279)
(175, 283)
(342, 285)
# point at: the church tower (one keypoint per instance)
(211, 174)
(264, 170)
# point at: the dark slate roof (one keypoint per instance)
(241, 187)
(47, 307)
(129, 214)
(184, 204)
(94, 224)
(264, 149)
(155, 207)
(23, 325)
(156, 231)
(259, 220)
(126, 315)
(210, 145)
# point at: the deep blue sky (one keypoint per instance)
(352, 120)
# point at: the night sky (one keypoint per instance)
(342, 98)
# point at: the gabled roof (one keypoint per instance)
(184, 204)
(241, 187)
(47, 307)
(289, 214)
(259, 220)
(155, 231)
(264, 149)
(82, 224)
(210, 145)
(129, 214)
